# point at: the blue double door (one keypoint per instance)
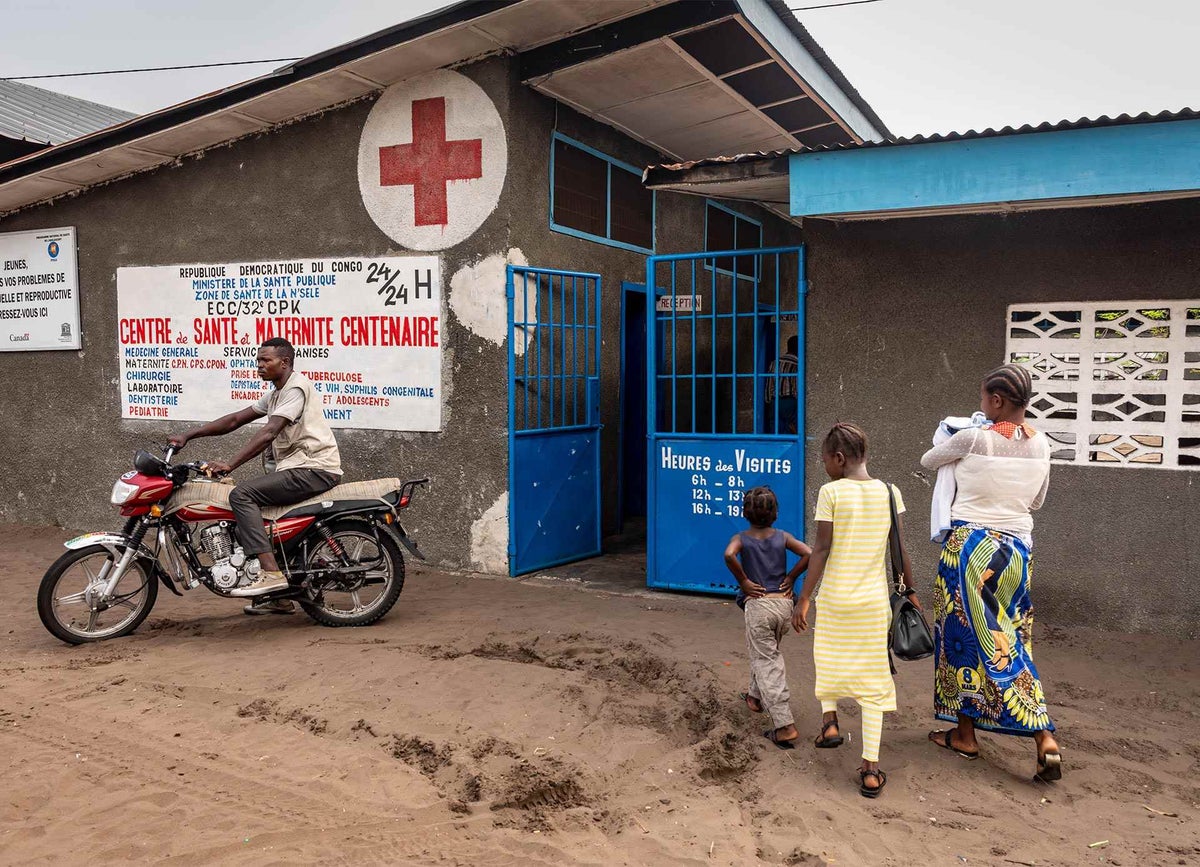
(698, 424)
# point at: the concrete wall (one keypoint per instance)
(294, 193)
(905, 317)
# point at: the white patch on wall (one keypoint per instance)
(432, 160)
(477, 297)
(489, 539)
(1116, 383)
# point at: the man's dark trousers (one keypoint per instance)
(279, 488)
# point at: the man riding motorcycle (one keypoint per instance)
(303, 461)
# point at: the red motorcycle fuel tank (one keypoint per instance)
(285, 529)
(204, 512)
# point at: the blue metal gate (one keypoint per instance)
(714, 406)
(553, 417)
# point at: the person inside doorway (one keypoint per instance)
(303, 460)
(786, 366)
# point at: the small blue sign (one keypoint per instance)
(52, 250)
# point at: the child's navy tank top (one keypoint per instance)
(765, 560)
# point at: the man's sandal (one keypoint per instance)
(824, 743)
(943, 740)
(1049, 768)
(865, 790)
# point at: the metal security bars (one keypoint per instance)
(554, 416)
(554, 341)
(725, 405)
(724, 330)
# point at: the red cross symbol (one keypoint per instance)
(430, 162)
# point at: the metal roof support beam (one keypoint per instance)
(765, 17)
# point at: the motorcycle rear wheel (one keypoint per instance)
(343, 605)
(64, 602)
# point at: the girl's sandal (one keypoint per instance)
(824, 743)
(865, 790)
(1049, 767)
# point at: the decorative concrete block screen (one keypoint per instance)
(1117, 383)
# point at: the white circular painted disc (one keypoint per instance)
(432, 160)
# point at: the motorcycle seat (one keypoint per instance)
(343, 497)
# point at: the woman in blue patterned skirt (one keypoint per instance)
(984, 672)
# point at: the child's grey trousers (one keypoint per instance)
(767, 621)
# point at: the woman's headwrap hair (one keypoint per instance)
(1012, 382)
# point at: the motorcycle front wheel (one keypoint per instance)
(365, 595)
(69, 602)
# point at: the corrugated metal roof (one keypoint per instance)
(35, 114)
(1045, 126)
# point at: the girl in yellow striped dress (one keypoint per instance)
(850, 643)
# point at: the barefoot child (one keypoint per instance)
(758, 560)
(850, 645)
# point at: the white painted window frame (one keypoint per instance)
(1094, 364)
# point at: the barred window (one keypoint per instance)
(596, 197)
(726, 229)
(1116, 383)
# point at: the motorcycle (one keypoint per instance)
(341, 551)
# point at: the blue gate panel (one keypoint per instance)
(555, 516)
(698, 488)
(553, 417)
(725, 405)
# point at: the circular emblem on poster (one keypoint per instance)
(432, 160)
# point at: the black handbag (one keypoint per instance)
(908, 637)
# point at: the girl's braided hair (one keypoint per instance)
(1012, 382)
(847, 438)
(760, 507)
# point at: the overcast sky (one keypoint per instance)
(924, 65)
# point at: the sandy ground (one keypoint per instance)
(496, 722)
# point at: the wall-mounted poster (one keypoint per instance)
(39, 290)
(367, 332)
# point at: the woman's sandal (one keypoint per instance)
(1049, 767)
(942, 739)
(865, 790)
(824, 743)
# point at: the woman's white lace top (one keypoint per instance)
(999, 480)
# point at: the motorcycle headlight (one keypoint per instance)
(122, 491)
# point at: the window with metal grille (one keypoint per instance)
(596, 197)
(726, 229)
(1116, 383)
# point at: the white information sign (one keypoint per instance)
(39, 290)
(367, 332)
(682, 303)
